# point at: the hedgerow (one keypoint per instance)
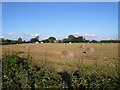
(21, 73)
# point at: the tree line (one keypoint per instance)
(70, 38)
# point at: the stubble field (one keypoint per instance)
(103, 56)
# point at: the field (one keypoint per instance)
(105, 55)
(61, 65)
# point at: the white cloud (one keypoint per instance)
(35, 35)
(77, 34)
(26, 34)
(106, 38)
(1, 36)
(90, 35)
(87, 34)
(10, 34)
(43, 38)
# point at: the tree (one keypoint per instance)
(2, 39)
(45, 41)
(71, 38)
(24, 41)
(36, 39)
(65, 40)
(87, 41)
(51, 39)
(94, 41)
(79, 39)
(59, 41)
(19, 40)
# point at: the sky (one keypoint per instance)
(93, 20)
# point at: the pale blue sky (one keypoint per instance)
(92, 20)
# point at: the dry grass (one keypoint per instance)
(50, 53)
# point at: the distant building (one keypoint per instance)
(36, 42)
(56, 41)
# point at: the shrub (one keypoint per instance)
(21, 73)
(83, 80)
(14, 71)
(18, 73)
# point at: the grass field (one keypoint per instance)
(104, 57)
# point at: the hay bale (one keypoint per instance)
(84, 52)
(81, 46)
(101, 43)
(67, 54)
(67, 44)
(88, 50)
(70, 42)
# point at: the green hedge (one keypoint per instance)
(20, 73)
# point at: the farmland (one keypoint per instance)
(105, 54)
(44, 66)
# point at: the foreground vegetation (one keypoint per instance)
(19, 72)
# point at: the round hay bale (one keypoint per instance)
(88, 50)
(81, 46)
(84, 52)
(67, 54)
(70, 42)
